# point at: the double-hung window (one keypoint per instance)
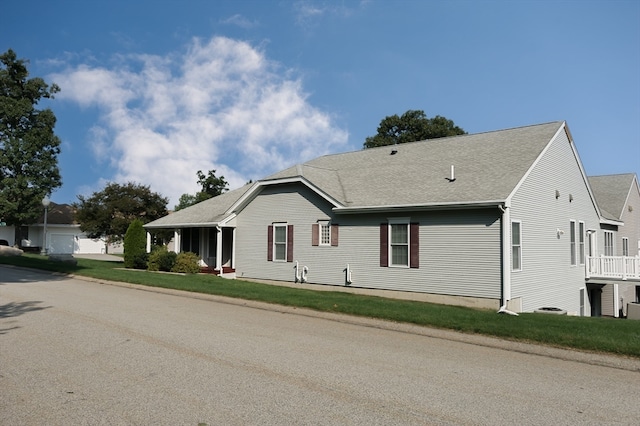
(400, 243)
(625, 246)
(581, 237)
(572, 244)
(516, 246)
(399, 246)
(280, 242)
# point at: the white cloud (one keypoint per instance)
(220, 105)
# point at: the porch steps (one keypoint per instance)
(211, 270)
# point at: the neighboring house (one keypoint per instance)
(487, 220)
(63, 234)
(618, 197)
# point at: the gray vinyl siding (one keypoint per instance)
(459, 251)
(631, 219)
(547, 276)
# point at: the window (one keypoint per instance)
(324, 233)
(516, 246)
(280, 242)
(572, 238)
(400, 243)
(625, 246)
(608, 243)
(581, 236)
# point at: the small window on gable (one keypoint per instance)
(608, 243)
(324, 233)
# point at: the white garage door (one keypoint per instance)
(61, 243)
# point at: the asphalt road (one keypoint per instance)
(74, 352)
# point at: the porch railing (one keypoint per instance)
(618, 267)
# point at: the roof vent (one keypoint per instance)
(452, 176)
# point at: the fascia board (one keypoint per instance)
(183, 225)
(250, 194)
(418, 207)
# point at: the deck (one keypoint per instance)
(613, 267)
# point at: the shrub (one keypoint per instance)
(161, 259)
(135, 246)
(187, 262)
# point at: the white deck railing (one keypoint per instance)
(619, 267)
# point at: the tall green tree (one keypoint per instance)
(211, 185)
(29, 147)
(108, 213)
(412, 126)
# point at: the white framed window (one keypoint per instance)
(625, 246)
(608, 243)
(280, 242)
(572, 241)
(400, 243)
(581, 239)
(325, 232)
(516, 246)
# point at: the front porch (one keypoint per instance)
(613, 267)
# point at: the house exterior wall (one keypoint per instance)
(459, 250)
(631, 218)
(547, 276)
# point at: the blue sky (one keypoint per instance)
(155, 90)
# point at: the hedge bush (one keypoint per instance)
(187, 262)
(135, 246)
(161, 259)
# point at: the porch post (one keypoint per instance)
(219, 249)
(148, 242)
(177, 240)
(233, 248)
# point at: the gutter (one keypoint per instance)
(418, 207)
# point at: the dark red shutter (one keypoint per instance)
(289, 243)
(270, 243)
(384, 244)
(334, 234)
(315, 234)
(414, 245)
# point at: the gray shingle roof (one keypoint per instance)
(611, 192)
(488, 166)
(209, 212)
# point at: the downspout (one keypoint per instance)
(506, 254)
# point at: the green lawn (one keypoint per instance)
(607, 335)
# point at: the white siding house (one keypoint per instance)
(488, 220)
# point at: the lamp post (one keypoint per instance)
(45, 202)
